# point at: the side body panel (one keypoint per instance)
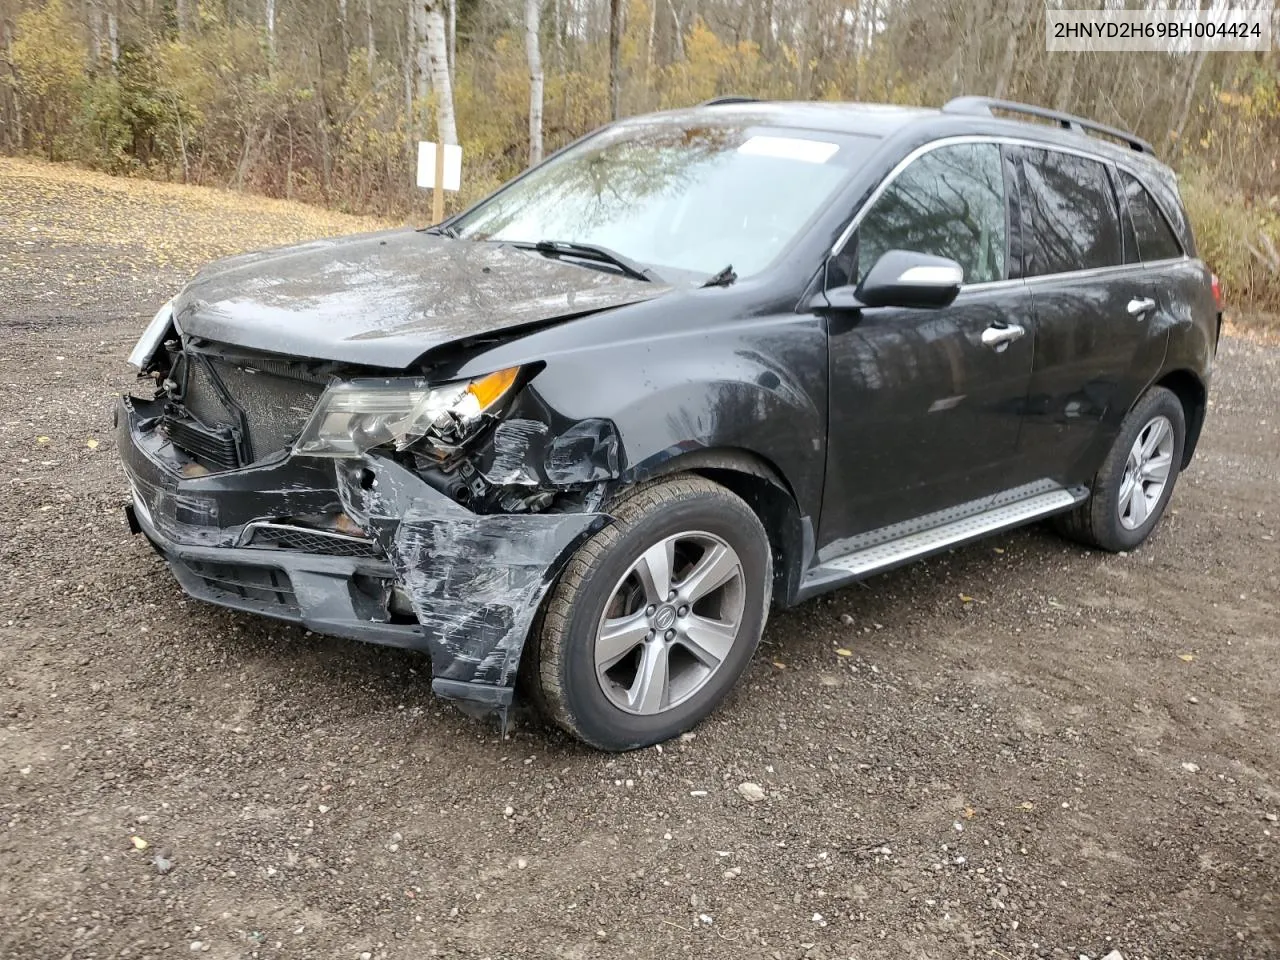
(672, 383)
(1092, 362)
(923, 414)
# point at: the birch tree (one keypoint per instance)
(532, 17)
(436, 46)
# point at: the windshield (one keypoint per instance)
(693, 199)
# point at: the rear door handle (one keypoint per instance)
(1000, 336)
(1140, 305)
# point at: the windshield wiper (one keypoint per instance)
(725, 278)
(589, 251)
(441, 230)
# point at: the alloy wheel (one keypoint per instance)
(670, 622)
(1146, 473)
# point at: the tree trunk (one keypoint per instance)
(1014, 29)
(648, 54)
(113, 32)
(370, 48)
(94, 10)
(437, 49)
(16, 137)
(532, 15)
(271, 32)
(342, 28)
(1188, 95)
(615, 59)
(453, 35)
(1062, 99)
(422, 59)
(185, 10)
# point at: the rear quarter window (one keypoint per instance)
(1156, 240)
(1073, 220)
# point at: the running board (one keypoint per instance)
(901, 543)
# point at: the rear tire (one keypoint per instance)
(655, 617)
(1133, 487)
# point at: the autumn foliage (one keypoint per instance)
(323, 101)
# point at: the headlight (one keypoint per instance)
(359, 415)
(152, 336)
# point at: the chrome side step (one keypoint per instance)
(900, 543)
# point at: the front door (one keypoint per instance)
(924, 415)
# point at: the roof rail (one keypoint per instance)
(986, 106)
(728, 98)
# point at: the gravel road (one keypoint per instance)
(1032, 750)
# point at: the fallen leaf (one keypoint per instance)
(969, 813)
(998, 549)
(139, 843)
(91, 444)
(780, 665)
(842, 652)
(1026, 805)
(964, 599)
(1186, 657)
(42, 439)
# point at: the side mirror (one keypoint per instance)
(900, 278)
(903, 278)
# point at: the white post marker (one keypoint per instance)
(440, 169)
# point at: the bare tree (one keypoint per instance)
(271, 31)
(436, 44)
(185, 11)
(113, 32)
(615, 58)
(532, 17)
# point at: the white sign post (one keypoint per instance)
(440, 168)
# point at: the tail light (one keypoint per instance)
(1216, 285)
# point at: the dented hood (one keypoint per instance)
(383, 299)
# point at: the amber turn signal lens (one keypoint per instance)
(489, 389)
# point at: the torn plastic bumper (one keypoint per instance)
(472, 582)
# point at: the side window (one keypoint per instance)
(1155, 237)
(950, 203)
(1073, 219)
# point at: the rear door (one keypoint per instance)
(1097, 342)
(923, 414)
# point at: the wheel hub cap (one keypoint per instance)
(665, 617)
(1146, 473)
(670, 622)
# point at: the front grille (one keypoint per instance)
(262, 588)
(274, 407)
(274, 536)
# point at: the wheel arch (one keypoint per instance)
(762, 486)
(1194, 397)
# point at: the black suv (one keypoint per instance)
(694, 364)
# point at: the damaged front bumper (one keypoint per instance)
(423, 572)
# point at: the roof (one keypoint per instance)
(869, 119)
(884, 120)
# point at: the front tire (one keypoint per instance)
(1133, 487)
(655, 617)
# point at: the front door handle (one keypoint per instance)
(999, 336)
(1140, 305)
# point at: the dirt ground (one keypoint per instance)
(1034, 750)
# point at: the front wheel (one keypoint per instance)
(656, 616)
(1133, 487)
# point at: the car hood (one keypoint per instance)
(384, 299)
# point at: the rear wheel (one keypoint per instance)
(656, 616)
(1133, 487)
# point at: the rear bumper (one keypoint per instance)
(474, 582)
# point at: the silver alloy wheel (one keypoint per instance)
(670, 622)
(1146, 473)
